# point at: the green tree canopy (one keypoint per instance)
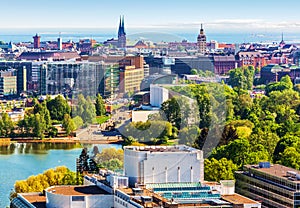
(216, 170)
(99, 105)
(58, 107)
(241, 78)
(68, 124)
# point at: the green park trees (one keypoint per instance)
(58, 176)
(216, 170)
(110, 158)
(241, 78)
(6, 125)
(99, 105)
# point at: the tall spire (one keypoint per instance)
(201, 29)
(120, 27)
(282, 43)
(123, 27)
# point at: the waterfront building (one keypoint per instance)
(276, 186)
(176, 181)
(201, 40)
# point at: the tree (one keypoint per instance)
(229, 134)
(171, 109)
(290, 157)
(194, 71)
(284, 143)
(216, 170)
(68, 124)
(58, 107)
(110, 158)
(42, 110)
(77, 121)
(241, 78)
(188, 135)
(99, 105)
(240, 152)
(51, 177)
(201, 139)
(285, 83)
(39, 125)
(6, 125)
(85, 109)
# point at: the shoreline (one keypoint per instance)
(60, 140)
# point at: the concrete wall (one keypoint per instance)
(143, 167)
(142, 115)
(158, 95)
(89, 201)
(172, 167)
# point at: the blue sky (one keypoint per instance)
(217, 15)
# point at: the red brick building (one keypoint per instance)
(223, 64)
(251, 58)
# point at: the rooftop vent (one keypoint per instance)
(264, 165)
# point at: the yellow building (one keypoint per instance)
(130, 79)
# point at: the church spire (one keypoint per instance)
(120, 27)
(282, 43)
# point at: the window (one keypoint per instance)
(77, 198)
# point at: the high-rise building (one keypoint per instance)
(201, 40)
(107, 78)
(36, 41)
(131, 73)
(121, 34)
(69, 78)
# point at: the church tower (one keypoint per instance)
(201, 40)
(121, 34)
(36, 41)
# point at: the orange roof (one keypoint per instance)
(238, 199)
(76, 190)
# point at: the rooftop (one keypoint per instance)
(76, 190)
(175, 148)
(36, 199)
(277, 170)
(237, 199)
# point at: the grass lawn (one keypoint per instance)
(102, 119)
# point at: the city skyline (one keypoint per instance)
(215, 15)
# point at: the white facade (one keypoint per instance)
(54, 200)
(158, 95)
(142, 115)
(163, 164)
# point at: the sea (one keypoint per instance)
(133, 35)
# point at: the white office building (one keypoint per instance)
(158, 95)
(163, 164)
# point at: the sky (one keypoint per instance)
(216, 15)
